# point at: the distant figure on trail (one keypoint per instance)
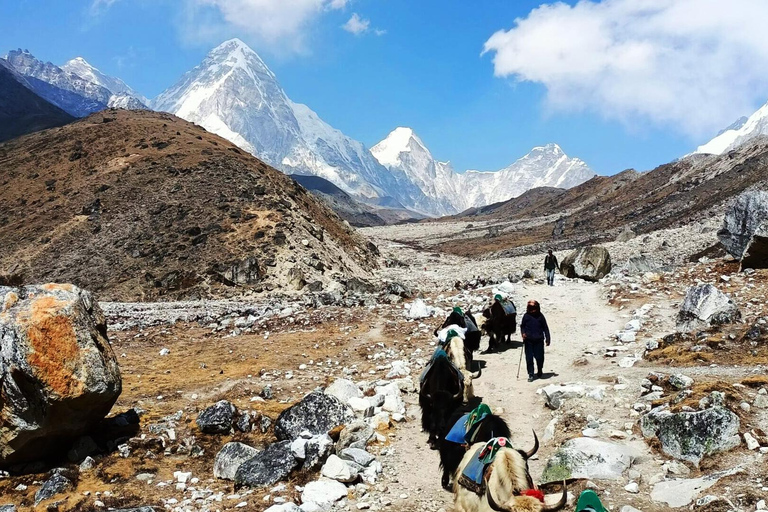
(550, 265)
(535, 333)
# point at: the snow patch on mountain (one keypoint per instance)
(738, 133)
(122, 94)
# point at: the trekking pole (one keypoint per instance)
(520, 363)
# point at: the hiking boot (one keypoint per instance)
(530, 378)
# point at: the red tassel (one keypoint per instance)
(534, 493)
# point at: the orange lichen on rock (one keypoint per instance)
(52, 287)
(10, 300)
(54, 345)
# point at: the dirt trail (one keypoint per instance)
(578, 318)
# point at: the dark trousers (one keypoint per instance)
(534, 349)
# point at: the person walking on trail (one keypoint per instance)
(535, 333)
(550, 265)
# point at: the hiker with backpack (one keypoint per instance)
(550, 266)
(535, 333)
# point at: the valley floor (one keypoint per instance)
(293, 349)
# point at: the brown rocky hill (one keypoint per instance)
(672, 195)
(139, 205)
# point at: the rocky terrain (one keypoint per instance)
(654, 391)
(692, 190)
(138, 205)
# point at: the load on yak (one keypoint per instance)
(500, 323)
(440, 394)
(494, 476)
(466, 429)
(466, 321)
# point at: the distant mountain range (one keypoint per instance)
(21, 109)
(234, 94)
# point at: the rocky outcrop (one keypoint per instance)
(588, 263)
(317, 413)
(756, 254)
(58, 373)
(742, 219)
(704, 306)
(693, 435)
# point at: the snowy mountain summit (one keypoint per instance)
(546, 166)
(122, 94)
(738, 133)
(234, 94)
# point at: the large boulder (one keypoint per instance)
(217, 419)
(58, 374)
(317, 413)
(742, 219)
(230, 458)
(693, 435)
(756, 254)
(588, 263)
(703, 306)
(594, 459)
(267, 467)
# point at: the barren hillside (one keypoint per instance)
(140, 205)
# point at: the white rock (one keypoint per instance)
(632, 487)
(344, 389)
(761, 505)
(626, 336)
(629, 508)
(323, 492)
(399, 369)
(336, 469)
(418, 309)
(628, 362)
(681, 492)
(752, 443)
(591, 458)
(164, 351)
(394, 404)
(284, 507)
(633, 325)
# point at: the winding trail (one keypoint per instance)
(579, 318)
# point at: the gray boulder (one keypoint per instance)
(317, 413)
(693, 435)
(58, 374)
(588, 263)
(316, 451)
(217, 419)
(355, 435)
(56, 484)
(742, 219)
(8, 508)
(585, 457)
(639, 265)
(703, 306)
(756, 254)
(268, 467)
(230, 458)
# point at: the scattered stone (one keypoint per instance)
(355, 435)
(693, 435)
(323, 492)
(316, 451)
(358, 456)
(230, 458)
(267, 467)
(681, 492)
(336, 469)
(218, 418)
(316, 413)
(344, 390)
(56, 484)
(593, 459)
(555, 394)
(703, 306)
(589, 263)
(56, 359)
(680, 381)
(751, 442)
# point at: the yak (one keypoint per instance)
(465, 321)
(451, 453)
(508, 485)
(441, 392)
(499, 324)
(462, 359)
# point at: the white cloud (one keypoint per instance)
(692, 64)
(338, 4)
(357, 25)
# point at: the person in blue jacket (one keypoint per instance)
(535, 333)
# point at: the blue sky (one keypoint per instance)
(573, 74)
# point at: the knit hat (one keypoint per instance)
(498, 297)
(458, 310)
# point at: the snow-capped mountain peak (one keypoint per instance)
(400, 140)
(80, 67)
(738, 133)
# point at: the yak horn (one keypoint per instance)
(477, 374)
(458, 395)
(535, 448)
(428, 396)
(491, 502)
(560, 504)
